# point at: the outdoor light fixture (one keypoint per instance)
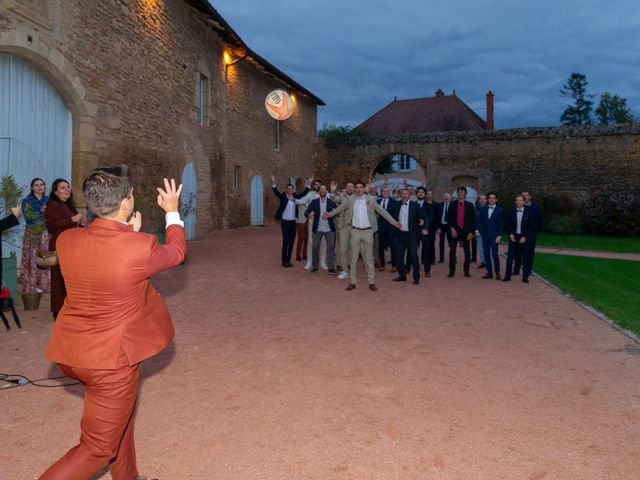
(233, 55)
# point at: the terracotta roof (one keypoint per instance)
(442, 113)
(228, 34)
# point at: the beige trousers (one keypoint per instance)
(362, 244)
(344, 241)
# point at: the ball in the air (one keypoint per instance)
(279, 104)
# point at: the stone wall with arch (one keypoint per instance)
(573, 161)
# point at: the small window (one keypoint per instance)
(236, 178)
(202, 99)
(277, 135)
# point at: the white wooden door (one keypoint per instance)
(188, 200)
(257, 201)
(35, 129)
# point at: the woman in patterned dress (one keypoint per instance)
(36, 237)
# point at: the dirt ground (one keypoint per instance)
(281, 374)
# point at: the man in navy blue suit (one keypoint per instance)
(386, 237)
(286, 213)
(521, 229)
(413, 224)
(536, 210)
(322, 228)
(490, 226)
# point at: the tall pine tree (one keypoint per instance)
(580, 112)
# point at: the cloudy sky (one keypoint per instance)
(358, 54)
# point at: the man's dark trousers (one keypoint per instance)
(520, 251)
(407, 244)
(466, 247)
(288, 238)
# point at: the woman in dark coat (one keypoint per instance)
(60, 215)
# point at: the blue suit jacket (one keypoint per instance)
(490, 227)
(314, 207)
(382, 223)
(415, 215)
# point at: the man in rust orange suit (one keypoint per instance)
(112, 318)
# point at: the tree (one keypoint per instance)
(580, 112)
(332, 132)
(384, 167)
(613, 109)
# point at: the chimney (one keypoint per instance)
(490, 124)
(439, 93)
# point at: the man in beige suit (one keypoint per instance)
(360, 214)
(344, 229)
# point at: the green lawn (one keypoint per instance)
(589, 242)
(610, 286)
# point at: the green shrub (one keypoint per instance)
(613, 214)
(565, 225)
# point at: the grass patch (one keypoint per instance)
(588, 242)
(610, 286)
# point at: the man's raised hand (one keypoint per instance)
(169, 198)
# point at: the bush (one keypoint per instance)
(565, 225)
(613, 214)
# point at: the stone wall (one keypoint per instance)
(573, 161)
(130, 71)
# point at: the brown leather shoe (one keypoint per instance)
(372, 287)
(381, 269)
(487, 275)
(427, 274)
(393, 270)
(351, 286)
(498, 277)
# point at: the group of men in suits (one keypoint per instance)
(365, 225)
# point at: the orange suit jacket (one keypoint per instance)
(110, 300)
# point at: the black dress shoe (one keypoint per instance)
(304, 258)
(506, 279)
(314, 270)
(482, 265)
(516, 272)
(467, 274)
(498, 277)
(525, 279)
(400, 279)
(416, 281)
(351, 286)
(487, 275)
(441, 261)
(451, 274)
(332, 271)
(298, 258)
(289, 264)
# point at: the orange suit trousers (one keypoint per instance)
(107, 424)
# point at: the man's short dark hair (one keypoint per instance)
(291, 185)
(492, 193)
(421, 188)
(105, 188)
(462, 188)
(359, 183)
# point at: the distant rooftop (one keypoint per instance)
(442, 113)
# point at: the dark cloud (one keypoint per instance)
(357, 55)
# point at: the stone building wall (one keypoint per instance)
(574, 161)
(130, 70)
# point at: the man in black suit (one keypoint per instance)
(462, 223)
(521, 228)
(442, 214)
(286, 213)
(536, 211)
(433, 225)
(322, 228)
(424, 240)
(412, 226)
(386, 238)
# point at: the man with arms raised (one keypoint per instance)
(360, 214)
(112, 318)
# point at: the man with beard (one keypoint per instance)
(424, 239)
(462, 223)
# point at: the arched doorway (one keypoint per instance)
(257, 201)
(397, 168)
(35, 128)
(470, 182)
(188, 200)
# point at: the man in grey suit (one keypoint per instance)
(360, 215)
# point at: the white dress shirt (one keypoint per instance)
(323, 225)
(519, 215)
(445, 212)
(490, 212)
(289, 211)
(404, 217)
(360, 216)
